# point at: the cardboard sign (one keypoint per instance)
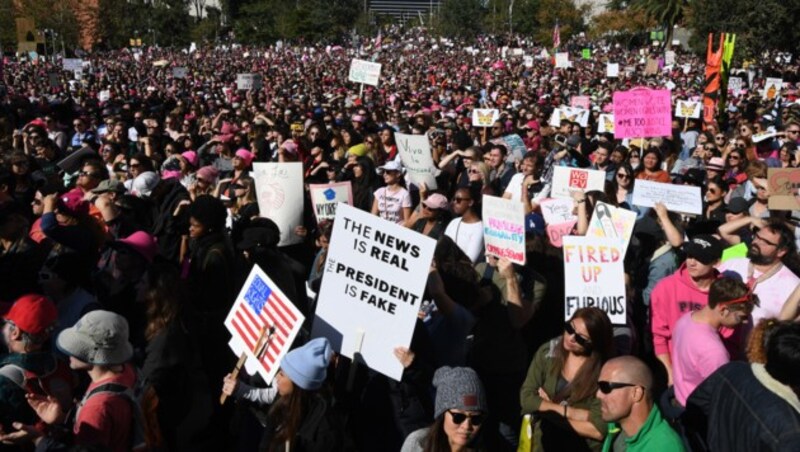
(642, 113)
(594, 277)
(484, 117)
(584, 102)
(262, 305)
(612, 70)
(557, 232)
(562, 60)
(612, 223)
(605, 123)
(372, 288)
(415, 153)
(248, 81)
(180, 72)
(735, 85)
(72, 64)
(365, 72)
(677, 198)
(566, 179)
(325, 198)
(279, 191)
(686, 109)
(504, 228)
(784, 188)
(772, 88)
(558, 210)
(652, 67)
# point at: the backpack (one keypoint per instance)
(59, 383)
(146, 431)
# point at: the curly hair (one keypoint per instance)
(757, 342)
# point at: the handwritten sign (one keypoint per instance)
(594, 277)
(687, 109)
(642, 113)
(562, 60)
(558, 210)
(566, 179)
(325, 198)
(677, 198)
(504, 228)
(612, 70)
(279, 191)
(415, 153)
(484, 117)
(613, 223)
(248, 81)
(372, 288)
(557, 232)
(365, 72)
(784, 188)
(735, 85)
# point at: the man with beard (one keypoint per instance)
(763, 270)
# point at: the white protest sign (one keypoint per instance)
(594, 276)
(735, 84)
(572, 114)
(687, 109)
(566, 179)
(613, 223)
(180, 72)
(504, 228)
(104, 95)
(72, 64)
(669, 57)
(415, 153)
(527, 61)
(558, 210)
(612, 70)
(562, 60)
(372, 288)
(78, 74)
(605, 123)
(484, 117)
(365, 72)
(262, 306)
(766, 135)
(279, 191)
(772, 88)
(248, 81)
(677, 198)
(325, 197)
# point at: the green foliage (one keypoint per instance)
(8, 29)
(666, 13)
(525, 16)
(460, 18)
(165, 22)
(262, 21)
(569, 16)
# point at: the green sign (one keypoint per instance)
(587, 54)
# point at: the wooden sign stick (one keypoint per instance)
(264, 338)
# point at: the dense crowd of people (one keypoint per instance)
(129, 220)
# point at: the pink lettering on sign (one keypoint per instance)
(556, 232)
(578, 179)
(641, 113)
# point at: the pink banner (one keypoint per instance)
(641, 113)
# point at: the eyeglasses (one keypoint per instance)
(582, 341)
(36, 202)
(733, 157)
(459, 418)
(237, 187)
(607, 386)
(459, 200)
(709, 148)
(473, 171)
(762, 239)
(793, 131)
(719, 138)
(87, 174)
(713, 191)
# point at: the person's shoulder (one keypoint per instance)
(414, 441)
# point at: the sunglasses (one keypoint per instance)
(607, 386)
(87, 174)
(623, 176)
(459, 418)
(733, 157)
(582, 341)
(473, 171)
(793, 131)
(237, 187)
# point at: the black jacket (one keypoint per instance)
(166, 228)
(320, 431)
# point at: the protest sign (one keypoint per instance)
(594, 277)
(527, 61)
(484, 117)
(586, 54)
(642, 113)
(677, 198)
(686, 109)
(279, 191)
(558, 210)
(325, 197)
(772, 88)
(562, 60)
(557, 232)
(72, 64)
(566, 179)
(612, 70)
(363, 315)
(605, 123)
(504, 228)
(766, 135)
(735, 85)
(262, 305)
(104, 95)
(784, 188)
(652, 67)
(572, 114)
(179, 72)
(248, 81)
(365, 72)
(515, 146)
(669, 57)
(584, 102)
(415, 153)
(613, 223)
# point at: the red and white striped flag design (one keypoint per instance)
(556, 36)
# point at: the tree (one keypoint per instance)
(8, 35)
(525, 16)
(620, 25)
(667, 13)
(569, 17)
(460, 18)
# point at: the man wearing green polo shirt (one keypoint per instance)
(624, 390)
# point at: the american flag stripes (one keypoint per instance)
(557, 36)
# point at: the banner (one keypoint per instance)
(612, 223)
(612, 70)
(686, 109)
(279, 191)
(594, 277)
(484, 117)
(712, 83)
(372, 288)
(605, 123)
(415, 153)
(565, 178)
(325, 197)
(784, 188)
(677, 198)
(248, 81)
(365, 72)
(642, 113)
(262, 306)
(772, 88)
(504, 228)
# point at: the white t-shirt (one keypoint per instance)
(772, 293)
(391, 204)
(468, 237)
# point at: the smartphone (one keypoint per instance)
(561, 140)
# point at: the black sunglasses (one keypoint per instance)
(607, 386)
(582, 341)
(459, 418)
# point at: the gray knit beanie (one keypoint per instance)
(458, 388)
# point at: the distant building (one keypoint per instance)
(404, 10)
(87, 14)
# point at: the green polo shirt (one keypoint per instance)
(655, 435)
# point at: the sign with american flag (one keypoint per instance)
(261, 306)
